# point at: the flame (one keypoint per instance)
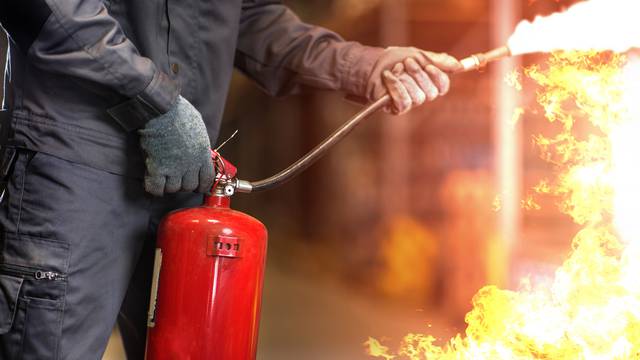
(530, 203)
(513, 79)
(589, 25)
(374, 348)
(590, 308)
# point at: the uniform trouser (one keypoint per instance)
(76, 250)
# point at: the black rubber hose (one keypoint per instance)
(312, 156)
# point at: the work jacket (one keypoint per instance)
(84, 75)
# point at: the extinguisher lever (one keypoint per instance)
(226, 182)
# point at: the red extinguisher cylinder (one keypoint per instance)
(207, 287)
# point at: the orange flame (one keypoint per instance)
(590, 309)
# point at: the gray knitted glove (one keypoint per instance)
(177, 149)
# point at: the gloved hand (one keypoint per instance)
(410, 76)
(177, 148)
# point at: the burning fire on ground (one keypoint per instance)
(590, 309)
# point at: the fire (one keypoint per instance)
(589, 25)
(530, 203)
(590, 308)
(513, 79)
(374, 348)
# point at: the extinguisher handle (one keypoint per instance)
(312, 156)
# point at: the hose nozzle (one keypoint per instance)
(478, 61)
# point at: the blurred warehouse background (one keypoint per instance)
(403, 222)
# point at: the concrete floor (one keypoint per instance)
(306, 319)
(115, 351)
(319, 319)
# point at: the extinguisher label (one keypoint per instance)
(151, 320)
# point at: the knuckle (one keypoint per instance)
(388, 77)
(412, 67)
(398, 68)
(408, 68)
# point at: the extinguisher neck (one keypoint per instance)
(219, 201)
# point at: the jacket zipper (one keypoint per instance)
(25, 272)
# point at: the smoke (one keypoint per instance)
(590, 25)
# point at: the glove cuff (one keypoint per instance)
(156, 99)
(360, 62)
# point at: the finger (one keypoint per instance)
(398, 69)
(190, 181)
(422, 79)
(173, 184)
(443, 61)
(439, 78)
(399, 95)
(206, 177)
(418, 97)
(154, 185)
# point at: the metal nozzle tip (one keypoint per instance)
(470, 63)
(478, 61)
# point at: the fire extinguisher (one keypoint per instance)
(207, 281)
(210, 261)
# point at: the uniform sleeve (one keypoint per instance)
(79, 38)
(280, 52)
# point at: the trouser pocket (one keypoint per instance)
(39, 266)
(42, 326)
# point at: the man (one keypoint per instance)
(108, 98)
